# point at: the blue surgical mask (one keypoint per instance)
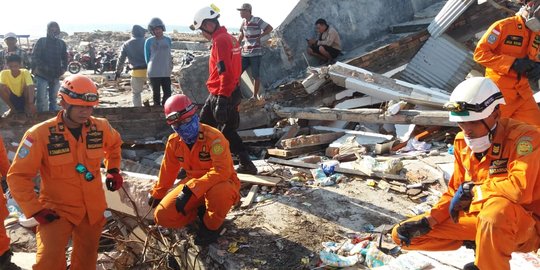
(188, 131)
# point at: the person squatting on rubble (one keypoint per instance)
(11, 42)
(17, 88)
(492, 197)
(211, 186)
(509, 51)
(157, 53)
(67, 152)
(328, 46)
(220, 109)
(133, 49)
(49, 62)
(5, 258)
(251, 31)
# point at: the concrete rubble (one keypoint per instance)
(343, 151)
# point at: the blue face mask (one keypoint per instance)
(188, 131)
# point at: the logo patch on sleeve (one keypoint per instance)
(492, 38)
(23, 152)
(524, 147)
(217, 149)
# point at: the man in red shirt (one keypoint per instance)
(225, 67)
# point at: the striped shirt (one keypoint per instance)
(252, 30)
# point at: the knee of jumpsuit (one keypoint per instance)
(85, 238)
(395, 237)
(219, 200)
(52, 240)
(166, 214)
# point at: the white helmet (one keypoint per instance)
(474, 99)
(205, 13)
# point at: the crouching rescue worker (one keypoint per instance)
(492, 198)
(67, 152)
(211, 187)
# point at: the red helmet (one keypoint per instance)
(79, 90)
(177, 108)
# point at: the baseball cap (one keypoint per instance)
(244, 6)
(10, 35)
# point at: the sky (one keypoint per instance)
(72, 13)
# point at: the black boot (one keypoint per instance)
(246, 166)
(470, 266)
(5, 262)
(206, 236)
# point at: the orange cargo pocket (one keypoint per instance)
(62, 166)
(93, 160)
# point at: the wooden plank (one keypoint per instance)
(339, 170)
(250, 197)
(290, 153)
(259, 179)
(309, 140)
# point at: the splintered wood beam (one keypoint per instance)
(250, 197)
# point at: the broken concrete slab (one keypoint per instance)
(411, 26)
(259, 135)
(310, 140)
(290, 153)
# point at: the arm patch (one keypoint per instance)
(221, 67)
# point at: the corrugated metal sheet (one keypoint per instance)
(448, 14)
(442, 63)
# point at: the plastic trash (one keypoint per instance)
(329, 167)
(392, 166)
(409, 261)
(375, 257)
(332, 259)
(450, 149)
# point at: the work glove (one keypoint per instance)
(4, 184)
(411, 229)
(534, 75)
(221, 109)
(522, 65)
(461, 201)
(114, 180)
(153, 202)
(116, 75)
(46, 216)
(183, 199)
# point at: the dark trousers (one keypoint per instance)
(233, 120)
(164, 83)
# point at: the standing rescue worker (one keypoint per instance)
(5, 258)
(492, 198)
(67, 152)
(225, 67)
(211, 186)
(506, 53)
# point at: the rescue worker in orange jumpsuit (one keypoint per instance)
(211, 186)
(67, 152)
(493, 197)
(509, 50)
(5, 258)
(225, 68)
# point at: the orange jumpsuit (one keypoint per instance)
(51, 149)
(4, 213)
(504, 215)
(210, 176)
(502, 43)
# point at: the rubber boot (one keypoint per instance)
(5, 262)
(470, 266)
(206, 236)
(246, 165)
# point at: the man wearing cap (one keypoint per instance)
(11, 42)
(251, 31)
(49, 62)
(492, 198)
(221, 107)
(67, 151)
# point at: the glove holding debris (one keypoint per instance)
(46, 216)
(114, 180)
(411, 229)
(522, 65)
(221, 109)
(153, 202)
(116, 75)
(534, 75)
(183, 199)
(461, 201)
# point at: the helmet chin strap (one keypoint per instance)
(67, 114)
(490, 131)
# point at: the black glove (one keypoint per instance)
(522, 65)
(116, 75)
(183, 199)
(534, 75)
(4, 184)
(221, 109)
(411, 229)
(153, 202)
(461, 201)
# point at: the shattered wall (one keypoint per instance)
(359, 22)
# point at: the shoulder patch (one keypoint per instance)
(524, 147)
(492, 38)
(23, 152)
(217, 149)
